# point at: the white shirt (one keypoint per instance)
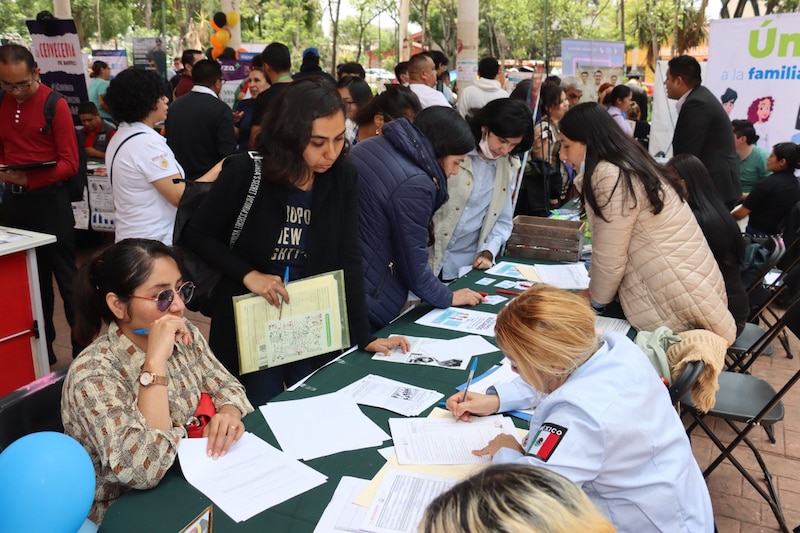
(681, 100)
(428, 96)
(478, 95)
(620, 440)
(464, 246)
(202, 89)
(141, 211)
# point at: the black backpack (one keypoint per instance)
(77, 183)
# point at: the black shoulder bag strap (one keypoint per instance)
(255, 183)
(114, 157)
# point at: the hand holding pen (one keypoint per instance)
(285, 283)
(269, 286)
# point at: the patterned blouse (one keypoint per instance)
(99, 409)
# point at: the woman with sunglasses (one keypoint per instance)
(303, 220)
(128, 396)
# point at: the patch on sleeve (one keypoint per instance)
(546, 440)
(160, 161)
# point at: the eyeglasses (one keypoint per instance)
(165, 298)
(19, 87)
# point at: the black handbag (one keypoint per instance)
(540, 183)
(206, 277)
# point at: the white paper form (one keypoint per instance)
(460, 319)
(313, 427)
(342, 514)
(507, 269)
(453, 353)
(612, 325)
(418, 355)
(445, 441)
(392, 395)
(252, 477)
(570, 276)
(402, 499)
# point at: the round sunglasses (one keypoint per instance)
(165, 298)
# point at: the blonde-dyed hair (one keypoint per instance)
(548, 332)
(514, 498)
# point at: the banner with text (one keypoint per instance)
(57, 51)
(753, 69)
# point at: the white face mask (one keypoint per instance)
(484, 147)
(582, 168)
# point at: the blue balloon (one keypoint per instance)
(47, 483)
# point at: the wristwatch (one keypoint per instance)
(148, 378)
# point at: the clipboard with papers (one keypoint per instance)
(313, 322)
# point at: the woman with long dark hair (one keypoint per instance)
(646, 244)
(403, 175)
(720, 230)
(308, 192)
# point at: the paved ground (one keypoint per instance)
(738, 508)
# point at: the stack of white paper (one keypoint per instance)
(252, 477)
(392, 395)
(608, 325)
(570, 276)
(314, 427)
(402, 499)
(342, 514)
(445, 441)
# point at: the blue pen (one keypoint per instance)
(142, 331)
(442, 404)
(469, 378)
(285, 283)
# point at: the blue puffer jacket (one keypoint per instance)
(401, 185)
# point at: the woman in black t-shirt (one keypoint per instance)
(771, 199)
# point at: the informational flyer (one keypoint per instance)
(460, 319)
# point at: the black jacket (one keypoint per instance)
(332, 242)
(200, 132)
(704, 130)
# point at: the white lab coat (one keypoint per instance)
(620, 440)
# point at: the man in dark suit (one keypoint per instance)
(703, 128)
(200, 125)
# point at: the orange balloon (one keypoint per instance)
(215, 41)
(214, 25)
(216, 52)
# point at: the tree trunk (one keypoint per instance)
(148, 14)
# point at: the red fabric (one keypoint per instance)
(205, 410)
(184, 85)
(25, 143)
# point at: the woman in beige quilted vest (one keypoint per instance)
(646, 244)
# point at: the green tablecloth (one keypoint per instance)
(174, 503)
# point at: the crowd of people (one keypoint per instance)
(403, 191)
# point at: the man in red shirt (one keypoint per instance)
(96, 132)
(37, 199)
(185, 83)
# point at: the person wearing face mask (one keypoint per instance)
(403, 175)
(647, 247)
(481, 190)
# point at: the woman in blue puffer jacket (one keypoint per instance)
(403, 180)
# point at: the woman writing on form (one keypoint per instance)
(587, 390)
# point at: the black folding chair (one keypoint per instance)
(744, 402)
(681, 386)
(34, 407)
